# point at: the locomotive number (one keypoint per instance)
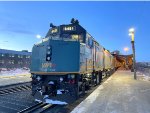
(46, 65)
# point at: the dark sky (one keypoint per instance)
(107, 22)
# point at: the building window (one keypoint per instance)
(2, 54)
(20, 62)
(20, 56)
(11, 62)
(1, 61)
(27, 56)
(11, 55)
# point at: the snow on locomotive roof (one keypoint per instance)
(5, 51)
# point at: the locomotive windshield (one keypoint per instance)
(70, 32)
(66, 33)
(72, 37)
(54, 30)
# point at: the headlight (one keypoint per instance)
(38, 78)
(51, 83)
(48, 58)
(72, 76)
(48, 52)
(61, 79)
(48, 47)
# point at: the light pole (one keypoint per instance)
(131, 33)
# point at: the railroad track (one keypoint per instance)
(15, 88)
(38, 108)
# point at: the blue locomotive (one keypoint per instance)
(66, 63)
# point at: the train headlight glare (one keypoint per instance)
(61, 79)
(88, 74)
(72, 76)
(38, 78)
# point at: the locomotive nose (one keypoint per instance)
(63, 54)
(56, 56)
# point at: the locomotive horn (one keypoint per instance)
(73, 21)
(51, 25)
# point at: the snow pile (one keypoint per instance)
(145, 77)
(49, 101)
(14, 72)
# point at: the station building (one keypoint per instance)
(14, 59)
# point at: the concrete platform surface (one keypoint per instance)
(118, 94)
(7, 80)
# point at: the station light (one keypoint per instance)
(131, 30)
(131, 33)
(38, 36)
(126, 49)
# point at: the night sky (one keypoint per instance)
(107, 22)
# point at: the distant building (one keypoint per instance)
(143, 64)
(116, 52)
(126, 61)
(14, 59)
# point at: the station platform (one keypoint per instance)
(120, 93)
(8, 80)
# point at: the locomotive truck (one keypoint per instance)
(66, 63)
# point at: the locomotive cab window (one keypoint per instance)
(77, 37)
(89, 42)
(54, 30)
(73, 37)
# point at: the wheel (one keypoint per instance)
(83, 88)
(97, 79)
(76, 88)
(100, 77)
(76, 93)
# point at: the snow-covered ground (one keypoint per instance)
(14, 72)
(143, 73)
(118, 94)
(143, 76)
